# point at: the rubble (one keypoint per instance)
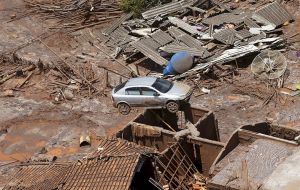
(230, 32)
(75, 15)
(157, 149)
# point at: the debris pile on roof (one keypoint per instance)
(212, 31)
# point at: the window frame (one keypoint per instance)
(127, 89)
(152, 89)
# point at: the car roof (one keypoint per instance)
(144, 81)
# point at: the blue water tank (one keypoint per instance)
(179, 63)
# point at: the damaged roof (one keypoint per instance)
(274, 14)
(167, 8)
(104, 169)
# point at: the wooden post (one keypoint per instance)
(120, 80)
(244, 176)
(106, 78)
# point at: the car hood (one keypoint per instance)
(179, 89)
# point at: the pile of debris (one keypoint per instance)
(75, 15)
(213, 32)
(104, 169)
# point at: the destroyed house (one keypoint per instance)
(252, 155)
(116, 165)
(183, 156)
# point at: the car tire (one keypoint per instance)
(124, 108)
(172, 107)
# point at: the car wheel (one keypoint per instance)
(172, 107)
(124, 108)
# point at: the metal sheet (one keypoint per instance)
(176, 49)
(251, 39)
(242, 34)
(161, 37)
(273, 13)
(150, 43)
(226, 36)
(148, 51)
(175, 32)
(185, 38)
(184, 26)
(116, 24)
(224, 18)
(221, 5)
(118, 37)
(250, 23)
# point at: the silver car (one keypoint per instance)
(150, 92)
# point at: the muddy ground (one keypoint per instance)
(32, 122)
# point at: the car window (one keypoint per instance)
(120, 86)
(147, 91)
(162, 85)
(133, 91)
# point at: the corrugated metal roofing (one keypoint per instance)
(226, 36)
(185, 38)
(184, 26)
(175, 32)
(167, 8)
(117, 23)
(118, 37)
(224, 18)
(252, 39)
(241, 34)
(273, 13)
(150, 43)
(176, 49)
(190, 41)
(161, 37)
(221, 5)
(146, 49)
(250, 23)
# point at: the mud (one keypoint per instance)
(31, 126)
(31, 123)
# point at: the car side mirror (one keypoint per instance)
(156, 94)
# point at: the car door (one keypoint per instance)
(150, 97)
(132, 96)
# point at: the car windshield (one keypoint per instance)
(162, 85)
(117, 88)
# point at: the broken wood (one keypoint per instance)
(169, 126)
(25, 80)
(73, 69)
(29, 68)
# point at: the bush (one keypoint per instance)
(137, 6)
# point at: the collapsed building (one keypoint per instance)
(167, 151)
(247, 160)
(160, 150)
(117, 164)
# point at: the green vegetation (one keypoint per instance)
(137, 6)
